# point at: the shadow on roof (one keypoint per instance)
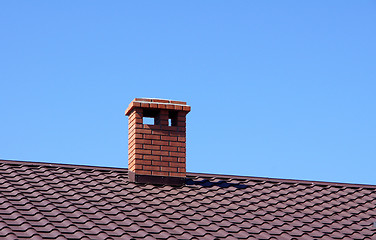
(221, 184)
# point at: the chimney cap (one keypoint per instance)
(158, 103)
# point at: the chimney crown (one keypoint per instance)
(157, 152)
(157, 103)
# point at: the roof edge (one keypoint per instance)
(192, 174)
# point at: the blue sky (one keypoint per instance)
(282, 89)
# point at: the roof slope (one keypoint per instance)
(57, 201)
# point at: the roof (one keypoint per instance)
(59, 201)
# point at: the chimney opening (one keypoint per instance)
(148, 120)
(172, 118)
(151, 117)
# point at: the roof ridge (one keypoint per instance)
(192, 174)
(64, 165)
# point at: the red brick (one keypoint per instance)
(177, 154)
(178, 102)
(153, 137)
(181, 159)
(153, 127)
(170, 106)
(138, 166)
(169, 138)
(177, 164)
(181, 129)
(135, 126)
(144, 172)
(164, 124)
(160, 163)
(131, 162)
(131, 118)
(131, 146)
(162, 133)
(133, 156)
(164, 112)
(168, 158)
(131, 133)
(182, 169)
(162, 153)
(178, 107)
(177, 144)
(152, 147)
(143, 141)
(162, 143)
(143, 151)
(131, 140)
(145, 105)
(186, 108)
(182, 149)
(131, 128)
(131, 136)
(169, 128)
(161, 106)
(136, 104)
(181, 139)
(131, 123)
(138, 135)
(182, 118)
(152, 157)
(144, 162)
(161, 100)
(137, 145)
(178, 134)
(131, 151)
(153, 168)
(145, 131)
(137, 112)
(153, 105)
(181, 124)
(137, 121)
(177, 174)
(169, 169)
(142, 100)
(169, 148)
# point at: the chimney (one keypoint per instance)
(156, 150)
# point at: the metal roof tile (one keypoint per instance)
(66, 201)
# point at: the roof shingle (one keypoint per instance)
(57, 201)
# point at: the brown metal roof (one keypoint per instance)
(58, 201)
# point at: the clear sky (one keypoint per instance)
(283, 89)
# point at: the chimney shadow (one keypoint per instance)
(221, 184)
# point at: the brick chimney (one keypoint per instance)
(156, 150)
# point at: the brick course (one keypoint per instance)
(157, 149)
